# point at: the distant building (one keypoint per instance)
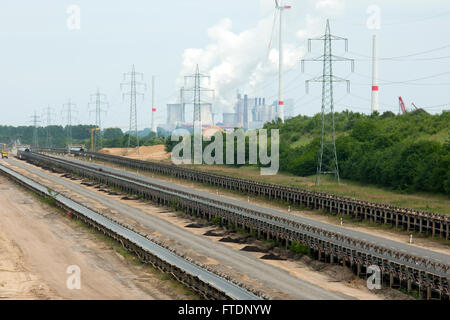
(174, 114)
(206, 114)
(229, 119)
(253, 113)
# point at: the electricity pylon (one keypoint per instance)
(49, 114)
(98, 100)
(69, 109)
(327, 162)
(132, 84)
(36, 120)
(197, 89)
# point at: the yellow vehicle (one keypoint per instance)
(4, 152)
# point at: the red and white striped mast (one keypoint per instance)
(153, 106)
(375, 87)
(281, 8)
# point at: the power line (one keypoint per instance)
(327, 162)
(389, 82)
(417, 20)
(98, 100)
(197, 89)
(69, 109)
(49, 113)
(399, 22)
(36, 120)
(133, 84)
(406, 56)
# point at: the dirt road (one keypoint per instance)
(38, 244)
(374, 229)
(245, 266)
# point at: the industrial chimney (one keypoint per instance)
(375, 104)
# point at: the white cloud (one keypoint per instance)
(243, 60)
(330, 7)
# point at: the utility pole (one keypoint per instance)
(153, 107)
(375, 103)
(183, 111)
(69, 109)
(197, 89)
(132, 84)
(280, 8)
(98, 100)
(327, 162)
(49, 113)
(36, 120)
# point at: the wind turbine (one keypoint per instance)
(280, 8)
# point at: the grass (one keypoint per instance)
(299, 248)
(437, 203)
(421, 201)
(303, 140)
(357, 191)
(216, 221)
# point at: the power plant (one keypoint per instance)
(246, 113)
(226, 185)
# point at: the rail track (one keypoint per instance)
(428, 273)
(204, 282)
(409, 219)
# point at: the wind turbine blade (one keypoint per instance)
(272, 34)
(277, 5)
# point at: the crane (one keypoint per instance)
(402, 105)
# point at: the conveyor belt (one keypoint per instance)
(429, 268)
(228, 288)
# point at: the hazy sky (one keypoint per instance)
(43, 62)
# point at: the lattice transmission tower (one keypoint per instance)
(197, 89)
(98, 100)
(132, 84)
(68, 109)
(49, 115)
(327, 162)
(36, 120)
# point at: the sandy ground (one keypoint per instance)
(336, 279)
(157, 152)
(38, 244)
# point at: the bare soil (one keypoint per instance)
(374, 229)
(157, 152)
(331, 277)
(38, 244)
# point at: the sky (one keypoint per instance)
(47, 57)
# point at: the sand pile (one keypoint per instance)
(157, 152)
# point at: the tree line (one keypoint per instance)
(403, 152)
